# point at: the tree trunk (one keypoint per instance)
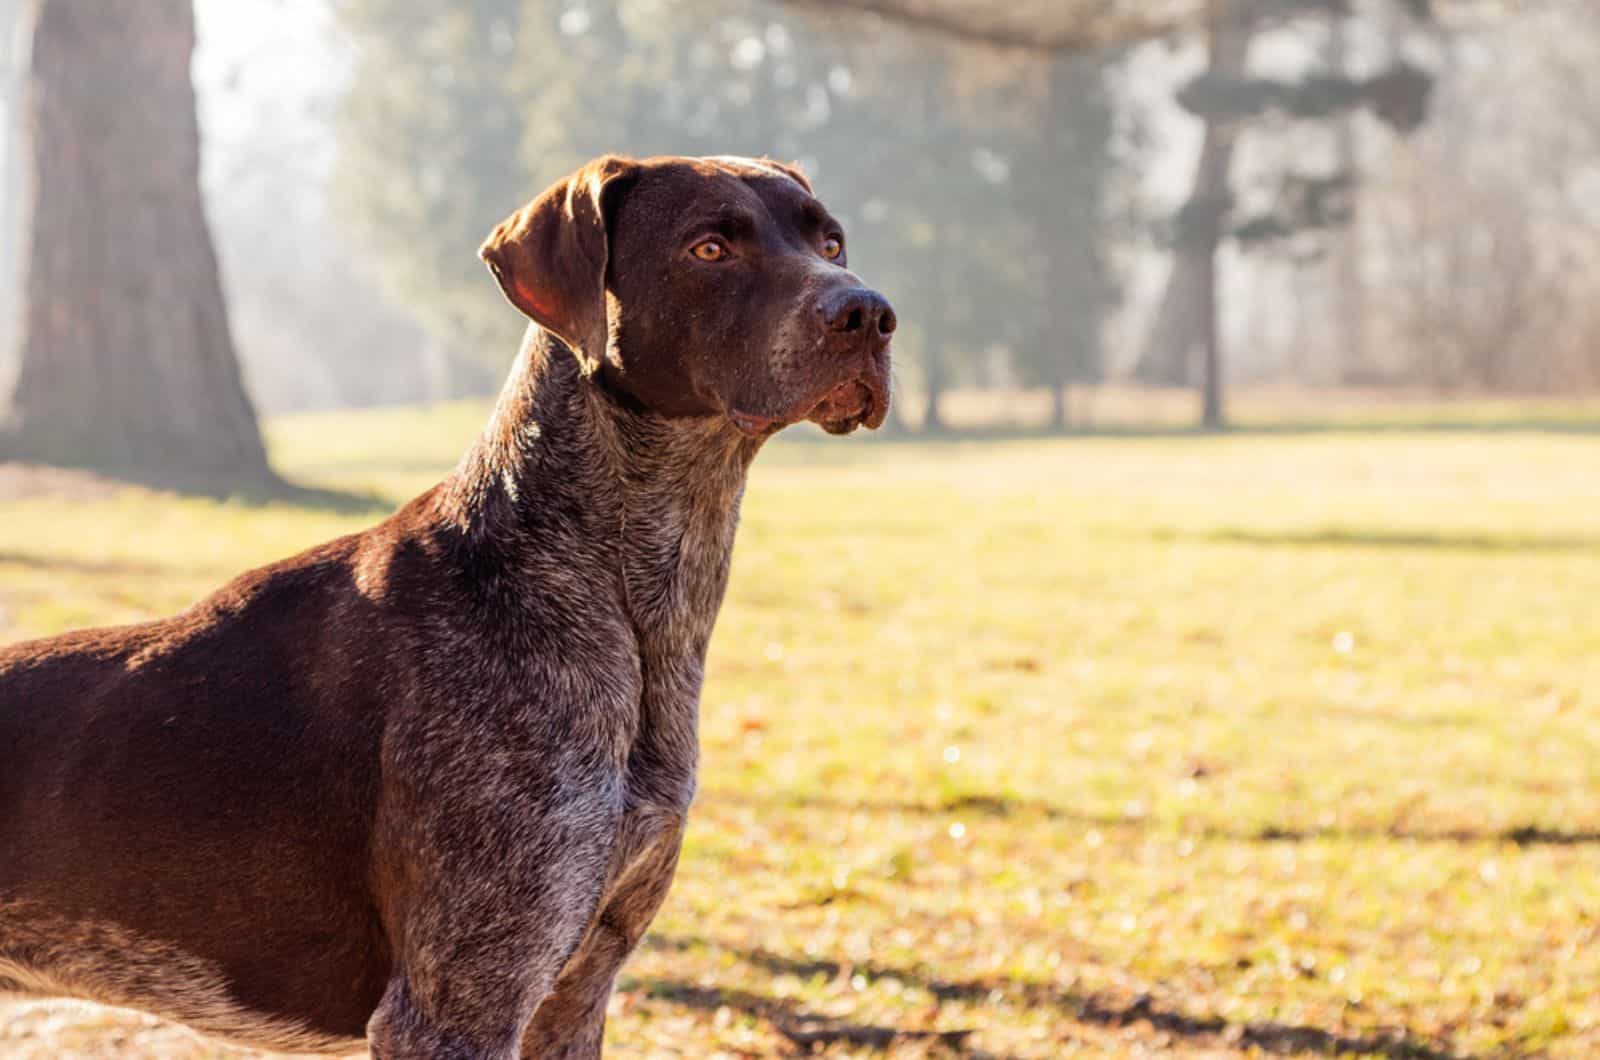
(1059, 327)
(1060, 407)
(126, 359)
(1188, 303)
(933, 346)
(1228, 41)
(1350, 302)
(1211, 416)
(933, 379)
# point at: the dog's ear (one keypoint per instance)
(550, 256)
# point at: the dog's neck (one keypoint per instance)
(568, 486)
(567, 473)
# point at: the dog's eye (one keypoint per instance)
(709, 250)
(832, 248)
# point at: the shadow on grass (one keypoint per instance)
(1266, 1036)
(73, 565)
(805, 1030)
(1342, 537)
(23, 480)
(336, 502)
(1522, 835)
(999, 805)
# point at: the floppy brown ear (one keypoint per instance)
(550, 258)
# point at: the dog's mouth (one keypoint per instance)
(861, 401)
(846, 407)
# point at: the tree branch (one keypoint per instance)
(1083, 25)
(1035, 25)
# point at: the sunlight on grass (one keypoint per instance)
(1244, 744)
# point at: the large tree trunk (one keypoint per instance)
(126, 359)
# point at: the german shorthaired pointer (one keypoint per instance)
(423, 788)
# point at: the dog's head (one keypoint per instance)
(702, 286)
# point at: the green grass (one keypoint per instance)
(1280, 744)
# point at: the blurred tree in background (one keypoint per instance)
(430, 150)
(1067, 182)
(125, 357)
(1228, 98)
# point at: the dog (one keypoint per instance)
(422, 789)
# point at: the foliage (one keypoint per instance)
(1398, 95)
(1307, 202)
(429, 160)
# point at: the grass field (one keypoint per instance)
(1256, 744)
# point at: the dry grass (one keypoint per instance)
(1218, 746)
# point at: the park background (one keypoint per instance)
(1204, 659)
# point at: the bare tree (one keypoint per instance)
(1350, 315)
(126, 361)
(1189, 314)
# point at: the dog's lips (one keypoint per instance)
(844, 408)
(862, 401)
(858, 401)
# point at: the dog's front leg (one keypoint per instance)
(497, 898)
(571, 1023)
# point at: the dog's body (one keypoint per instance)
(425, 785)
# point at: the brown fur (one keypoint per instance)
(427, 784)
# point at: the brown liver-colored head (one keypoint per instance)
(703, 286)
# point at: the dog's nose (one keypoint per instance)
(857, 310)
